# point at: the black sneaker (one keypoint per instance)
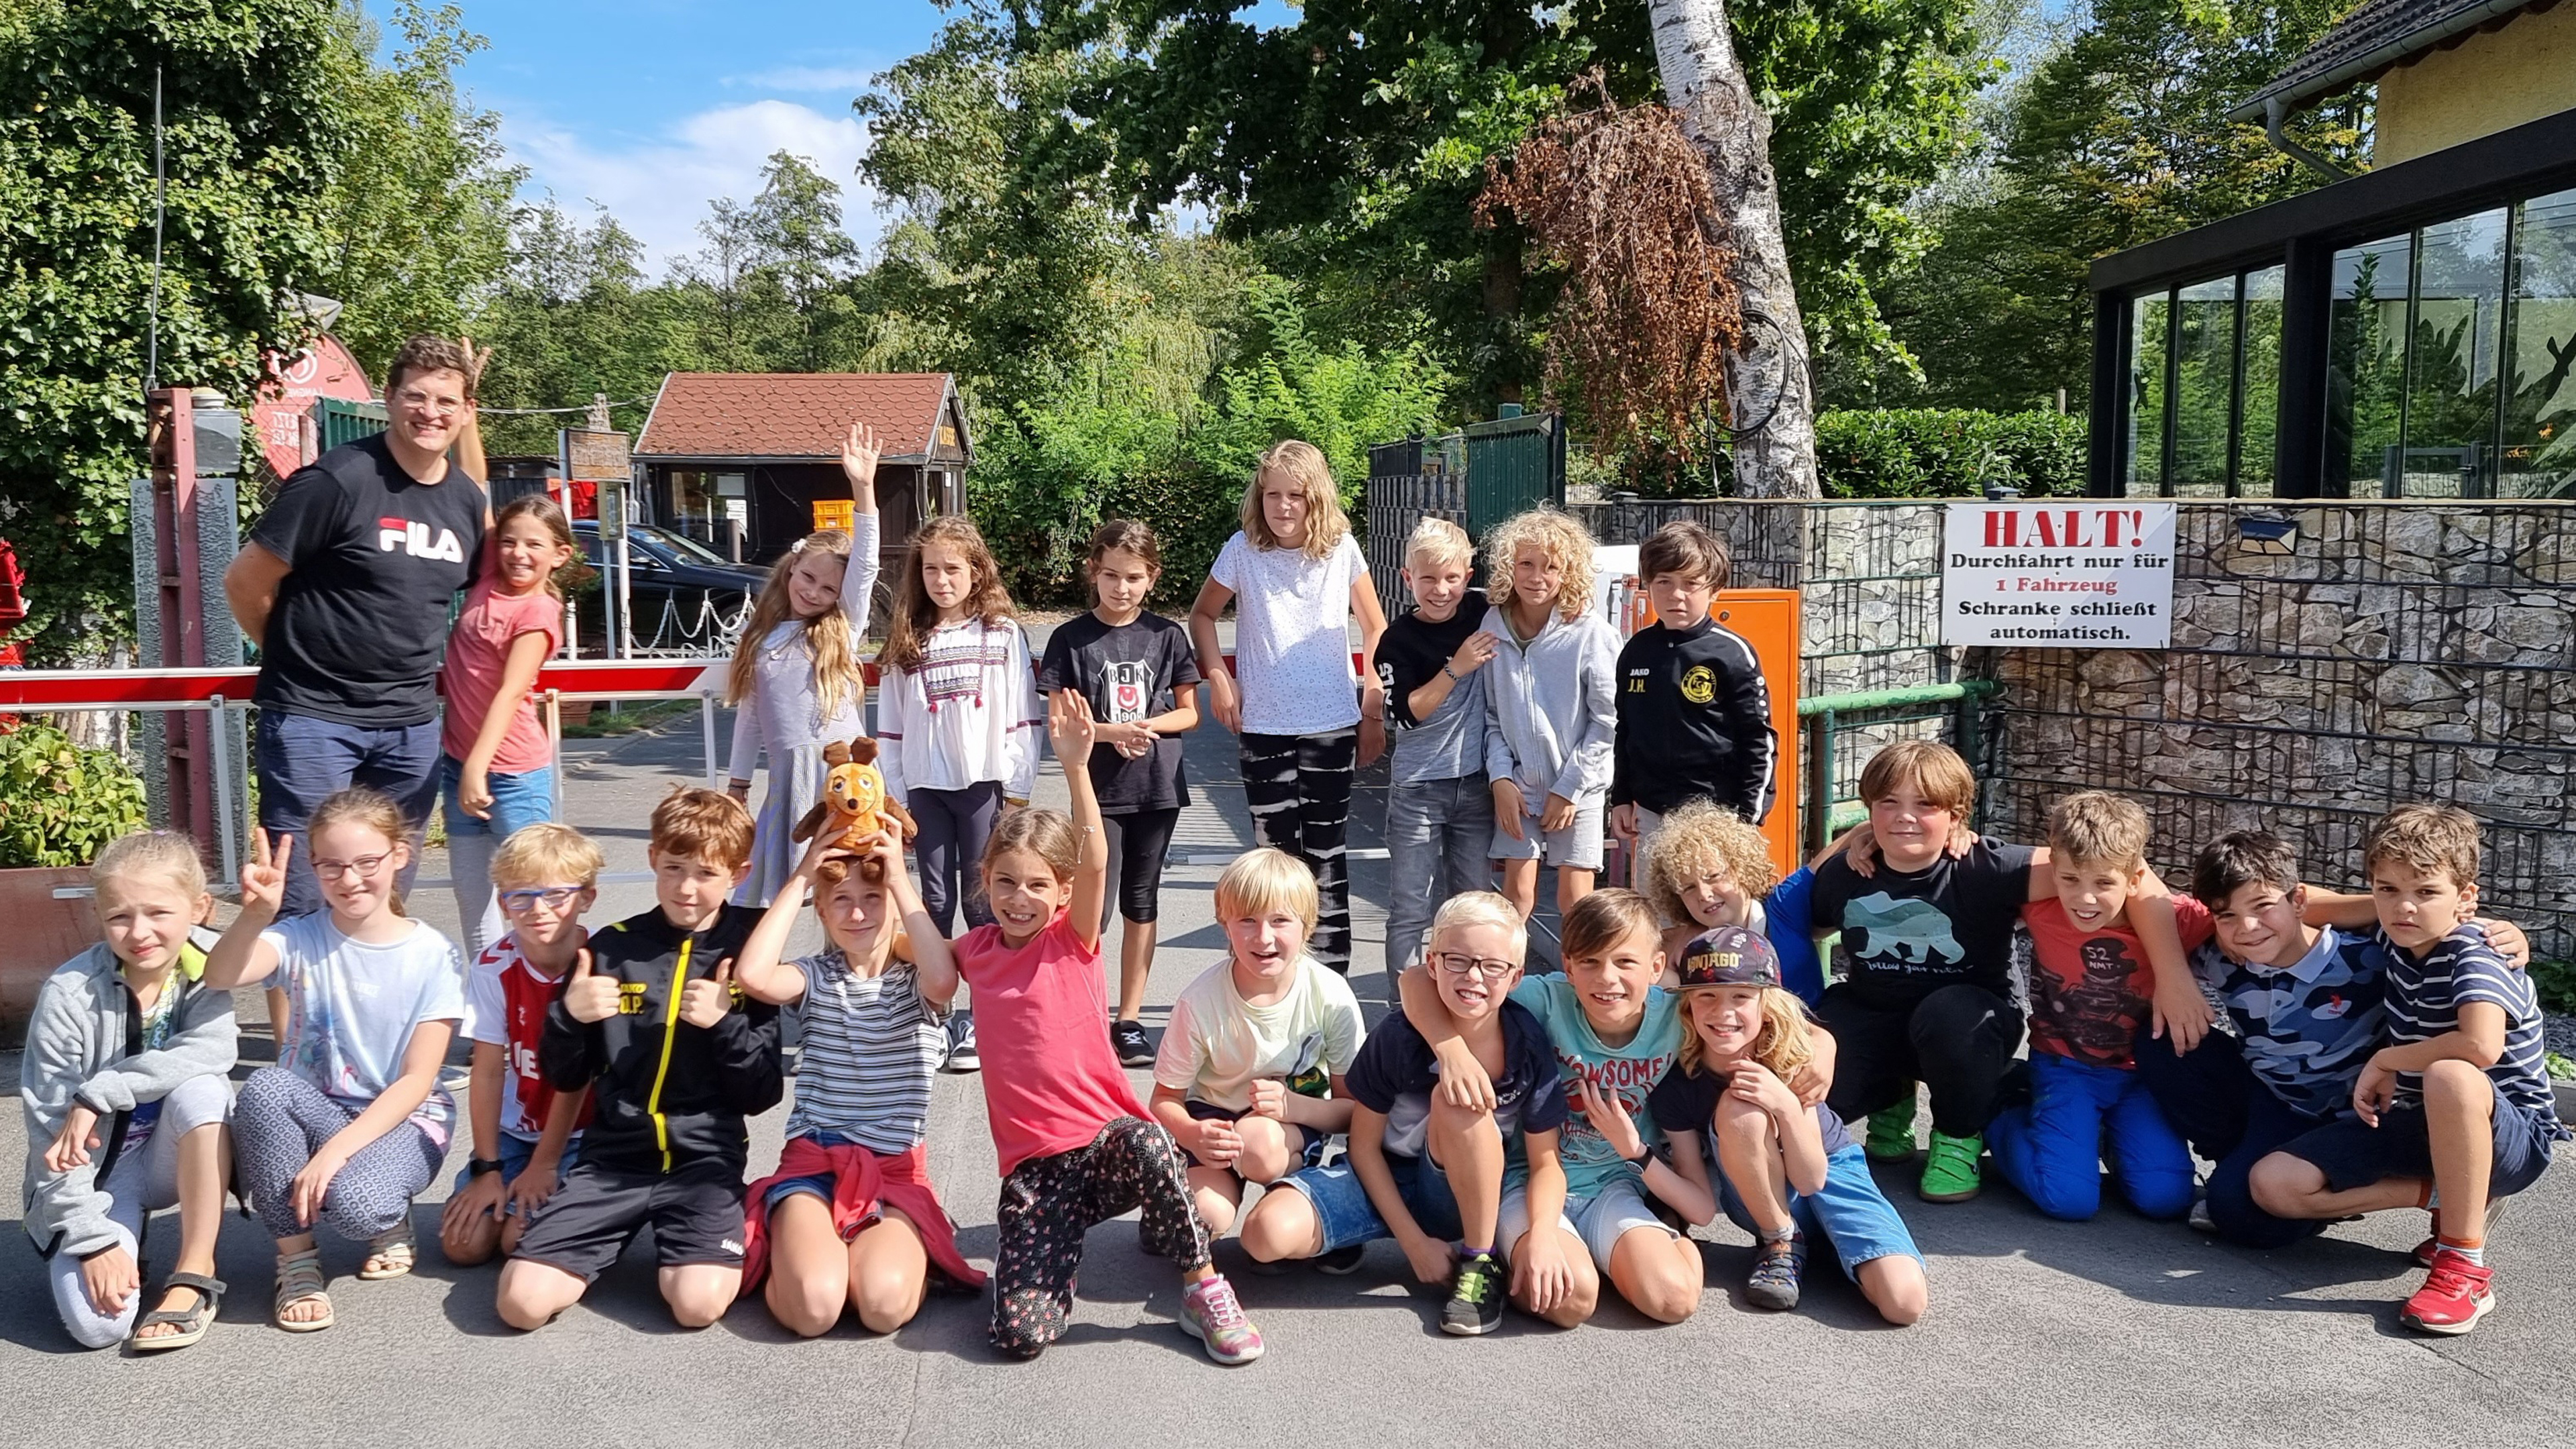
(1475, 1303)
(1128, 1038)
(961, 1044)
(1342, 1261)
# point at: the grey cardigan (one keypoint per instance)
(1549, 721)
(78, 1051)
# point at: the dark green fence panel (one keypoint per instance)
(1513, 464)
(336, 422)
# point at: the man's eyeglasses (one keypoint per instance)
(554, 897)
(1459, 965)
(362, 867)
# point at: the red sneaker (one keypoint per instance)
(2425, 1250)
(2456, 1294)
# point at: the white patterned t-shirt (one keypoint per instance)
(1292, 645)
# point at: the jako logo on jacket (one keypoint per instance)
(412, 537)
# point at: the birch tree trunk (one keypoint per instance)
(1768, 389)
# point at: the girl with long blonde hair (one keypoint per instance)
(1308, 721)
(958, 722)
(796, 682)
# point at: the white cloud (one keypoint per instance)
(659, 189)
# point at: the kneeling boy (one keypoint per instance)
(680, 1059)
(2457, 1109)
(1422, 1171)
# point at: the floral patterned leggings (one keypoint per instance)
(1049, 1203)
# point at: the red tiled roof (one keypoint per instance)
(791, 414)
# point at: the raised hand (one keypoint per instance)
(1070, 726)
(263, 881)
(589, 996)
(859, 454)
(704, 1002)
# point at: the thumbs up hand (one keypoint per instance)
(589, 997)
(703, 1003)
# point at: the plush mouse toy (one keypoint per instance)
(854, 804)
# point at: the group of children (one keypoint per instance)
(1523, 1137)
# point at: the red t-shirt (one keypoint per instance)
(505, 1005)
(477, 653)
(2089, 990)
(1051, 1078)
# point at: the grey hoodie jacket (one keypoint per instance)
(1549, 722)
(78, 1050)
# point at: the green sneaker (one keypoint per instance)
(1891, 1133)
(1951, 1175)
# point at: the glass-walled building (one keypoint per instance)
(2407, 333)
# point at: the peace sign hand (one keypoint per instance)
(263, 881)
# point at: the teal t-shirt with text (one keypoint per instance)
(1628, 1073)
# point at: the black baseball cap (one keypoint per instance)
(1729, 956)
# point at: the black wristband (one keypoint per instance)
(482, 1166)
(1645, 1150)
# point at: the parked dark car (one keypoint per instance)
(688, 599)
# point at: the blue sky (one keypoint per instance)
(654, 107)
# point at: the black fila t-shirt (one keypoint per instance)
(374, 559)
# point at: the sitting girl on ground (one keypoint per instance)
(849, 1219)
(124, 1084)
(1705, 866)
(1075, 1146)
(1787, 1170)
(351, 1123)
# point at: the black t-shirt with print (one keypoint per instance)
(1909, 933)
(1130, 672)
(374, 560)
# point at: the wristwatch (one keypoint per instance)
(478, 1166)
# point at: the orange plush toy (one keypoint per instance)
(854, 804)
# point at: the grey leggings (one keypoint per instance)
(954, 826)
(281, 1120)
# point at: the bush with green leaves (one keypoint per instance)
(61, 804)
(1948, 453)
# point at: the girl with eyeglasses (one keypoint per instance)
(351, 1124)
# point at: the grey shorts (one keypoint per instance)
(1600, 1220)
(1577, 846)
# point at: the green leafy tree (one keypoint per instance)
(804, 258)
(259, 129)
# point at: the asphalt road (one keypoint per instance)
(2041, 1333)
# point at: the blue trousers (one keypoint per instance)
(2235, 1121)
(303, 761)
(2052, 1148)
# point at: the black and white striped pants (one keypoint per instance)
(1299, 791)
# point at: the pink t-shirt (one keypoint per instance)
(1051, 1078)
(477, 653)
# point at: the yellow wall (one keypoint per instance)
(2492, 82)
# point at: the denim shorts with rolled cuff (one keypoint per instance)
(1348, 1217)
(1210, 1112)
(1848, 1214)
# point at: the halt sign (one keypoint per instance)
(2072, 575)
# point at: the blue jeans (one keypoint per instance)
(1347, 1216)
(515, 1154)
(1848, 1213)
(1436, 833)
(2052, 1147)
(518, 800)
(2236, 1121)
(303, 761)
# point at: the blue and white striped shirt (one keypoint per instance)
(871, 1045)
(2424, 1001)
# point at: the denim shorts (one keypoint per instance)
(1600, 1220)
(1849, 1213)
(1343, 1209)
(2352, 1154)
(515, 1152)
(518, 800)
(1209, 1112)
(821, 1184)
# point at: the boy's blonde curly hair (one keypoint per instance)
(1555, 533)
(1692, 839)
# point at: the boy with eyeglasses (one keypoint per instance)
(1421, 1171)
(526, 1134)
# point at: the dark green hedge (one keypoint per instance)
(1947, 453)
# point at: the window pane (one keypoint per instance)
(2366, 365)
(2204, 380)
(2540, 400)
(2144, 475)
(2451, 405)
(2262, 397)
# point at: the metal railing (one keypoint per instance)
(1831, 800)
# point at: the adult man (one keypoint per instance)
(345, 584)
